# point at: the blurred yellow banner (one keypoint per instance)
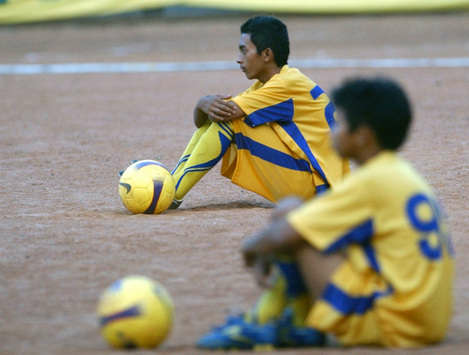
(333, 6)
(21, 11)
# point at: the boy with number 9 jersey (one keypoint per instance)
(373, 253)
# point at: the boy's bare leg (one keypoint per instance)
(317, 269)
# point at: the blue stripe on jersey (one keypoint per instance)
(295, 133)
(224, 144)
(360, 234)
(316, 92)
(346, 304)
(320, 189)
(281, 112)
(269, 154)
(371, 255)
(328, 110)
(329, 113)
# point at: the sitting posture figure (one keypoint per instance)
(274, 137)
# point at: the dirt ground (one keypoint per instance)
(65, 235)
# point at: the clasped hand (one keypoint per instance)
(218, 109)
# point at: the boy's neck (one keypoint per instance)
(366, 154)
(269, 73)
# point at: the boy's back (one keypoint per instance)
(398, 256)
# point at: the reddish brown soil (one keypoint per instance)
(65, 235)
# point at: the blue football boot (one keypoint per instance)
(291, 336)
(236, 333)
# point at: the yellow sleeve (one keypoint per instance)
(336, 219)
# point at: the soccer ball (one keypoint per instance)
(146, 186)
(135, 312)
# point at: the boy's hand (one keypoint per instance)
(213, 108)
(219, 109)
(260, 266)
(249, 257)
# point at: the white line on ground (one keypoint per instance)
(166, 67)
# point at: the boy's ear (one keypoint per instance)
(267, 55)
(364, 135)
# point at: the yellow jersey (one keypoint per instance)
(395, 286)
(286, 129)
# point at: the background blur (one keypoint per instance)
(23, 11)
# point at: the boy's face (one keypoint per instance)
(250, 62)
(342, 139)
(359, 144)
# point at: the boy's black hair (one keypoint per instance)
(269, 32)
(379, 103)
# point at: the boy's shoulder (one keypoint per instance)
(388, 174)
(290, 79)
(289, 82)
(289, 74)
(374, 174)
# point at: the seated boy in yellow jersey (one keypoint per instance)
(274, 137)
(373, 252)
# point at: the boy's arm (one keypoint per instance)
(216, 108)
(278, 237)
(260, 261)
(330, 223)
